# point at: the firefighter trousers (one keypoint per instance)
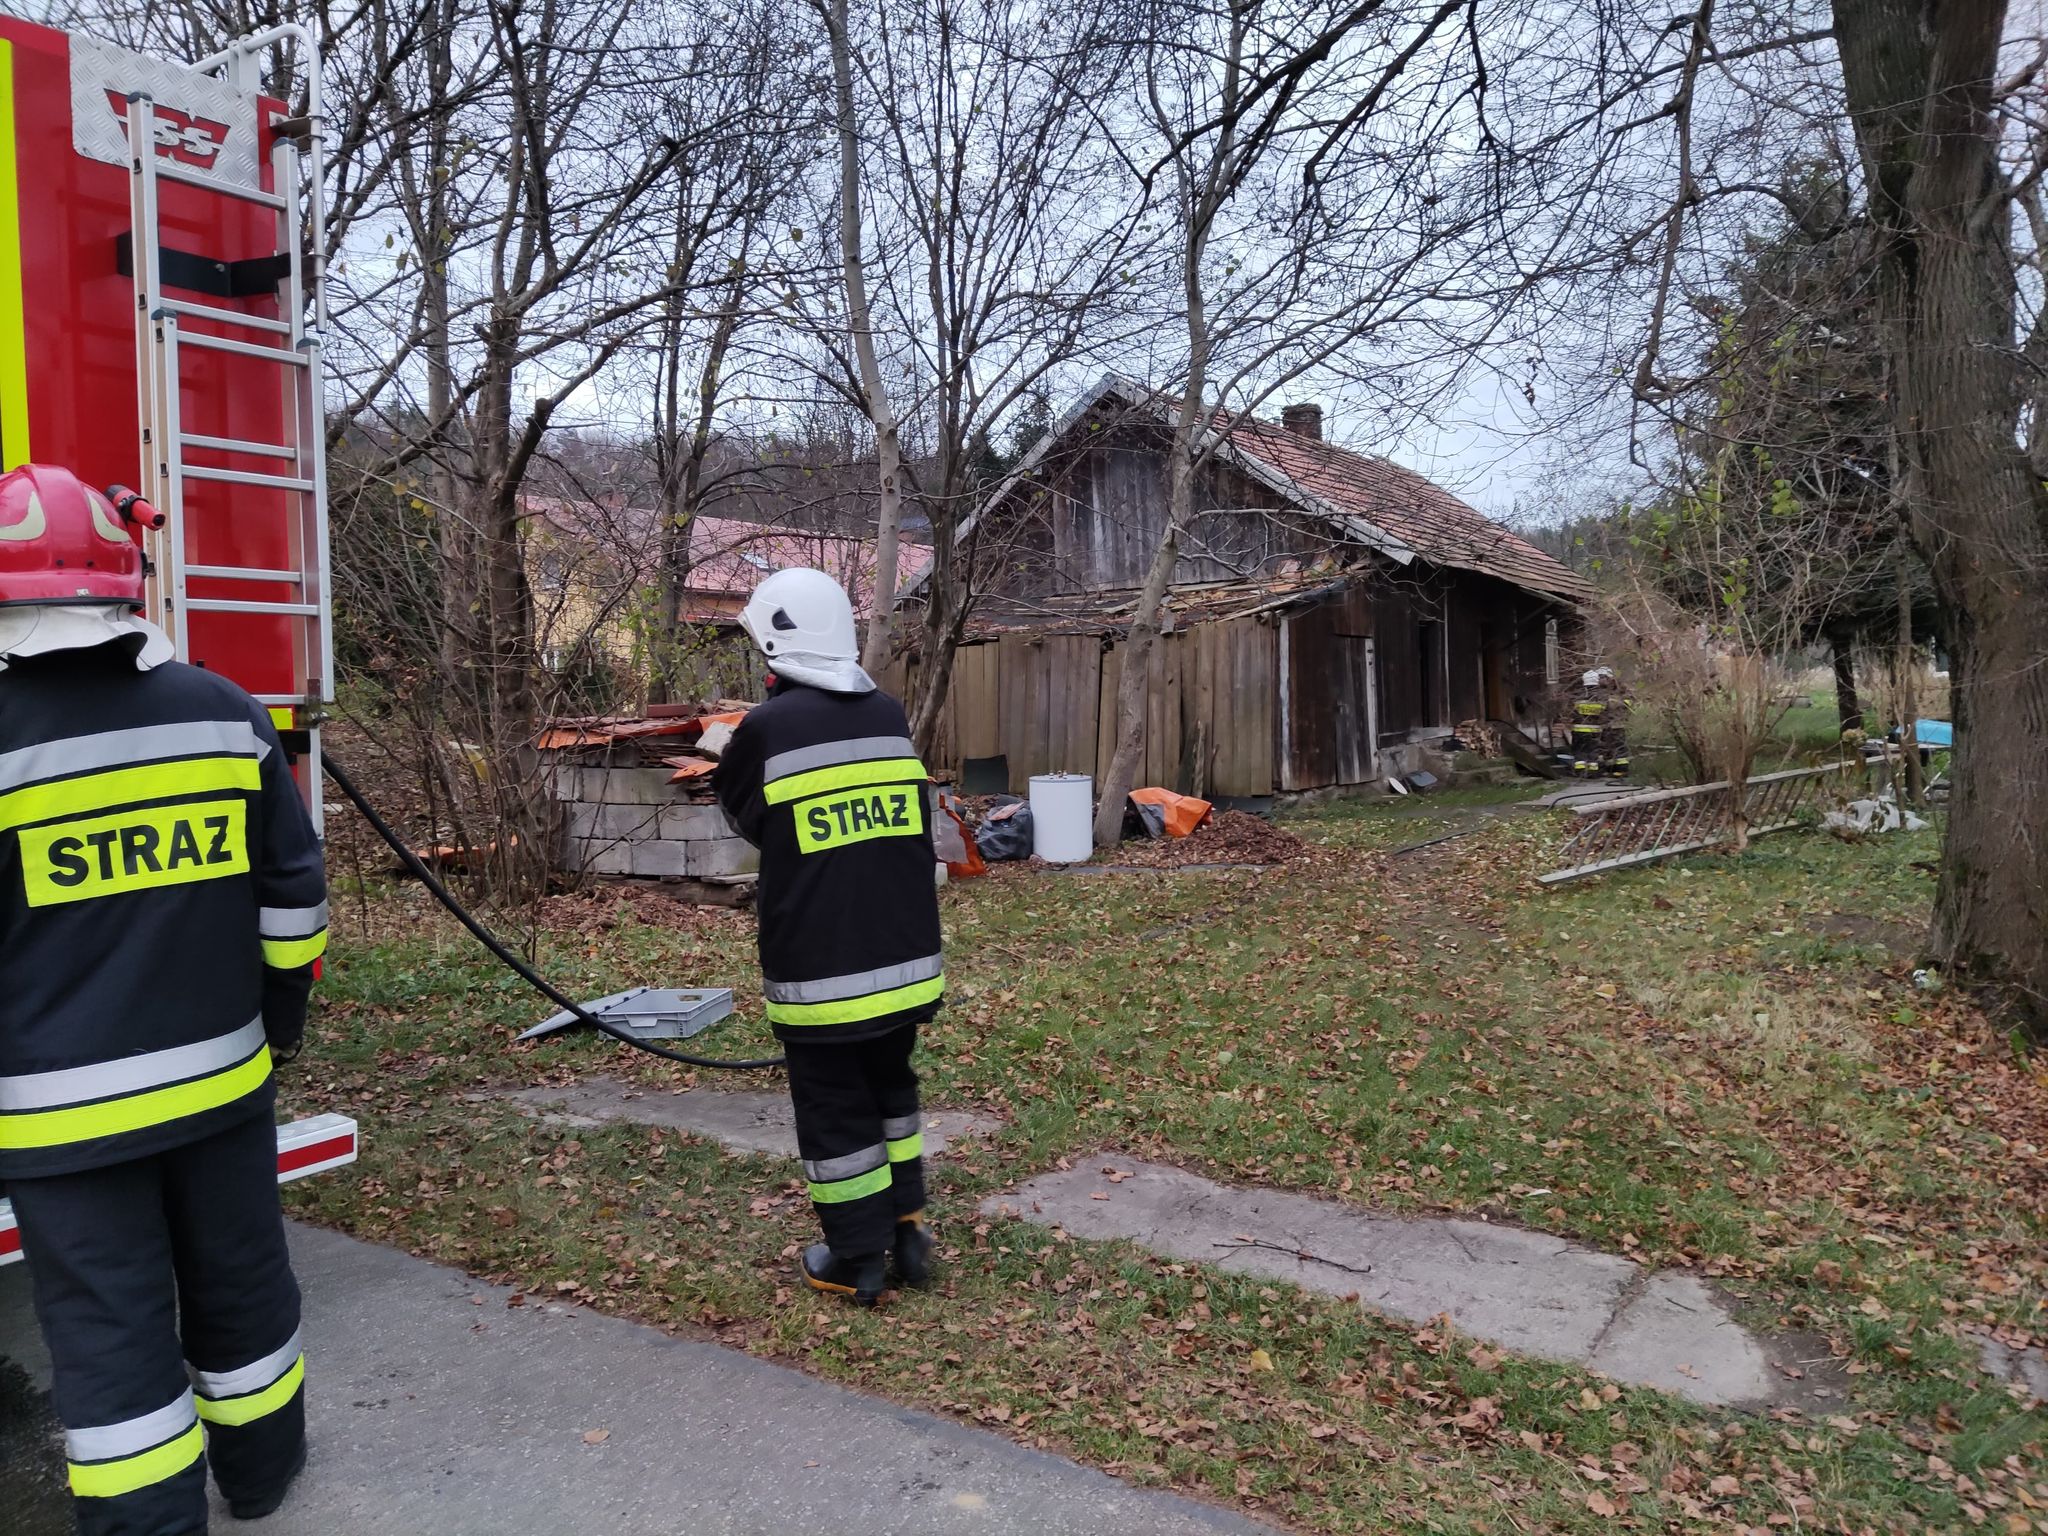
(859, 1135)
(167, 1301)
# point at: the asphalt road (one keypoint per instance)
(433, 1415)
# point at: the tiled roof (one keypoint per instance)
(1423, 515)
(1370, 500)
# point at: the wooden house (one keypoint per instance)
(1333, 617)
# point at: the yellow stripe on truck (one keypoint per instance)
(14, 444)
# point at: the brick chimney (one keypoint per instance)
(1304, 420)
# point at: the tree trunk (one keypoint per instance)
(1848, 707)
(860, 323)
(1920, 89)
(1131, 685)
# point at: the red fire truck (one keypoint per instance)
(162, 302)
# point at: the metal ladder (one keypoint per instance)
(164, 332)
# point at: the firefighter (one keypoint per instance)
(823, 779)
(162, 904)
(1599, 727)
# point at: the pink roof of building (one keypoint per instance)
(728, 556)
(728, 559)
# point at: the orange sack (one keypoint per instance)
(1172, 815)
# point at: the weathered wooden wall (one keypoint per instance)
(1327, 737)
(1047, 703)
(1215, 691)
(1107, 510)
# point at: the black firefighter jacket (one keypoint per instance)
(162, 902)
(829, 788)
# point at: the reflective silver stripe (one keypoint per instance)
(130, 1074)
(829, 754)
(851, 1166)
(253, 1377)
(902, 1126)
(131, 1437)
(128, 749)
(833, 989)
(290, 922)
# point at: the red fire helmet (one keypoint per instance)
(62, 542)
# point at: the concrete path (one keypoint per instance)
(745, 1121)
(2026, 1368)
(436, 1410)
(1523, 1290)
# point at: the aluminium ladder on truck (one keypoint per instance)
(162, 302)
(242, 563)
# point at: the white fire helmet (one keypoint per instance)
(802, 621)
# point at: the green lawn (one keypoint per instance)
(1714, 1063)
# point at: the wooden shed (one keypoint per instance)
(1333, 618)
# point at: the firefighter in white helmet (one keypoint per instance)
(162, 904)
(824, 780)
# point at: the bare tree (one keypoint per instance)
(860, 331)
(1341, 201)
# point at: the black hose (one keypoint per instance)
(419, 871)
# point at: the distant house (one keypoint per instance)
(1332, 618)
(594, 566)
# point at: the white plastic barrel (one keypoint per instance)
(1063, 817)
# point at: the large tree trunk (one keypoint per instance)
(1131, 686)
(1920, 88)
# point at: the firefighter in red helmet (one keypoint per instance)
(162, 904)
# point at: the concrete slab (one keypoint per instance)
(1674, 1333)
(1526, 1291)
(435, 1407)
(746, 1121)
(2023, 1367)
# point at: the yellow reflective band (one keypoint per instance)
(904, 1150)
(111, 1479)
(870, 1183)
(125, 786)
(852, 1010)
(88, 1122)
(856, 815)
(281, 718)
(290, 954)
(134, 851)
(248, 1409)
(821, 781)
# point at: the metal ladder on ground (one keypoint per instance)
(167, 328)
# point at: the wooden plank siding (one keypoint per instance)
(1215, 698)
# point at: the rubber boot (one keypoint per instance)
(910, 1255)
(256, 1509)
(860, 1280)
